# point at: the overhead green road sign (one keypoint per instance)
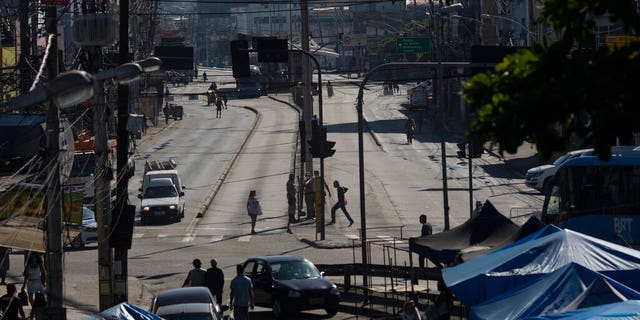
(413, 45)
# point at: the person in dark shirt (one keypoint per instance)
(214, 280)
(11, 305)
(340, 204)
(426, 230)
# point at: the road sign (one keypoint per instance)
(413, 45)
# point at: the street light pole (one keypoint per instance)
(120, 285)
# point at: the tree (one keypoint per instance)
(551, 93)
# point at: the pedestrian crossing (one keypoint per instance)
(207, 237)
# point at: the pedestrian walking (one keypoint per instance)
(4, 264)
(11, 305)
(410, 128)
(291, 198)
(225, 99)
(214, 280)
(425, 230)
(195, 277)
(329, 89)
(241, 297)
(195, 73)
(165, 110)
(340, 204)
(204, 76)
(219, 108)
(35, 276)
(253, 209)
(144, 124)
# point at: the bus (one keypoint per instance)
(251, 86)
(598, 198)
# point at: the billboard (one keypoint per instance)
(26, 199)
(175, 57)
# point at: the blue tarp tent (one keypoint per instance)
(125, 311)
(568, 288)
(628, 310)
(543, 252)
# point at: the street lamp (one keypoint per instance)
(123, 74)
(441, 101)
(150, 64)
(68, 89)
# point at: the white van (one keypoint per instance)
(156, 174)
(161, 199)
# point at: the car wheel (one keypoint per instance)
(278, 313)
(77, 243)
(144, 220)
(331, 311)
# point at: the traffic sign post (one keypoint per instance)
(413, 45)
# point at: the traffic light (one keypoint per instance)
(318, 145)
(462, 146)
(271, 49)
(240, 58)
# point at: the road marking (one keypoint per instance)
(352, 236)
(188, 238)
(162, 235)
(216, 238)
(244, 239)
(138, 235)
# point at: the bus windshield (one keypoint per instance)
(597, 198)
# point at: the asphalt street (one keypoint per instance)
(401, 182)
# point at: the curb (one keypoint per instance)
(216, 186)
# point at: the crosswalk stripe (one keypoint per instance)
(244, 239)
(138, 235)
(216, 238)
(163, 235)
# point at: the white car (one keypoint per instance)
(537, 177)
(161, 199)
(89, 232)
(418, 96)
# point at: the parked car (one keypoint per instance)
(188, 311)
(197, 300)
(175, 77)
(289, 284)
(538, 177)
(161, 199)
(89, 233)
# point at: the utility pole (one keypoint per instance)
(120, 286)
(102, 184)
(54, 260)
(307, 111)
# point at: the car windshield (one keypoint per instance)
(194, 316)
(287, 270)
(160, 192)
(560, 160)
(87, 214)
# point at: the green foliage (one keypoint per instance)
(550, 93)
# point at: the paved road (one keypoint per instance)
(402, 181)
